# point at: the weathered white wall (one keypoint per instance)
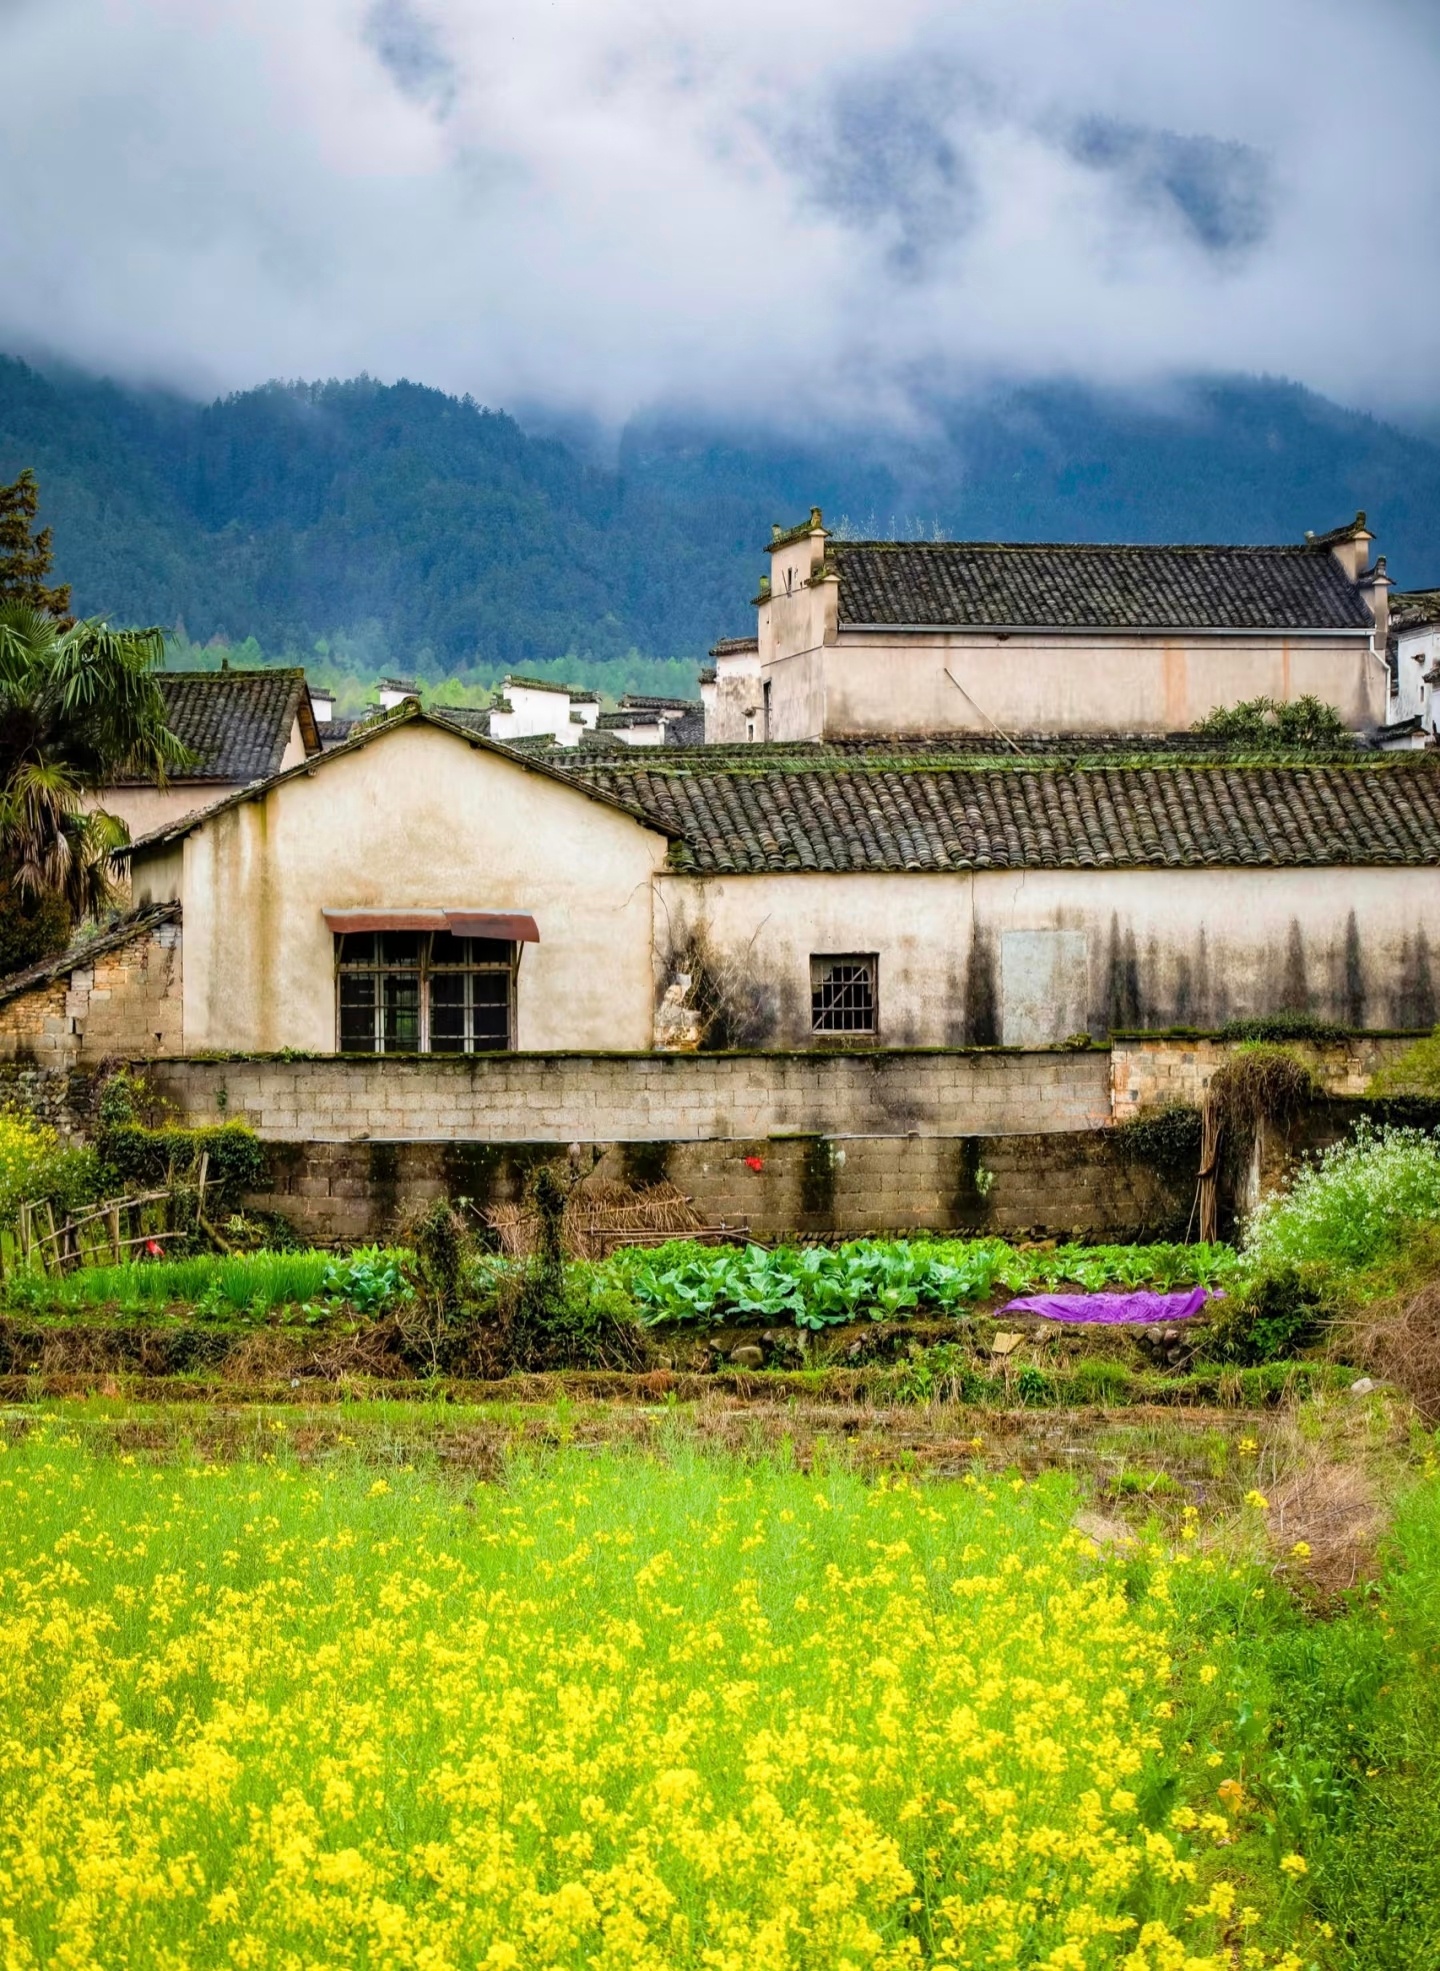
(1032, 957)
(733, 702)
(417, 818)
(1049, 682)
(1417, 651)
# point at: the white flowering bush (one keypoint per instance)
(1353, 1203)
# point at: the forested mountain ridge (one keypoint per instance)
(443, 538)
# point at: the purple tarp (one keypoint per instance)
(1114, 1308)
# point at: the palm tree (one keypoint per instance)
(79, 708)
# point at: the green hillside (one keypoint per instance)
(369, 527)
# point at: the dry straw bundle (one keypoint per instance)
(599, 1215)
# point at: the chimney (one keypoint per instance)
(322, 703)
(1349, 545)
(1375, 586)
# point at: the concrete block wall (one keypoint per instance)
(617, 1098)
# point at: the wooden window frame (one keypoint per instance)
(423, 971)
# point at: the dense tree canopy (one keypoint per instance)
(79, 707)
(450, 541)
(25, 556)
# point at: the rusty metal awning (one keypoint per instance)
(508, 926)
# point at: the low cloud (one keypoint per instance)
(747, 209)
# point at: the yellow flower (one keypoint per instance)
(1257, 1500)
(1294, 1865)
(1300, 1550)
(379, 1488)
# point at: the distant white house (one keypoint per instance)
(1414, 656)
(639, 720)
(530, 708)
(866, 639)
(731, 692)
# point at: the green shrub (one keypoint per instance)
(1353, 1204)
(586, 1322)
(141, 1156)
(1415, 1072)
(1282, 1026)
(1305, 725)
(33, 1166)
(31, 928)
(1268, 1318)
(1166, 1139)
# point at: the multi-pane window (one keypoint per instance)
(422, 992)
(842, 993)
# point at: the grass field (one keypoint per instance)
(670, 1710)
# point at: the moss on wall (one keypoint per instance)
(645, 1163)
(820, 1160)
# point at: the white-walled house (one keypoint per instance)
(529, 708)
(731, 693)
(423, 889)
(1414, 665)
(875, 638)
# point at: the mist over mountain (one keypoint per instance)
(426, 533)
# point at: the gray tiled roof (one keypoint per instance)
(89, 943)
(473, 718)
(1409, 612)
(975, 584)
(236, 723)
(838, 816)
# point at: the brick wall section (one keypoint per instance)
(616, 1098)
(127, 1001)
(1148, 1072)
(1074, 1185)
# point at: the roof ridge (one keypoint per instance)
(234, 671)
(411, 712)
(1086, 547)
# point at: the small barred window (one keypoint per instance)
(842, 993)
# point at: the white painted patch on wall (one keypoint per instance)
(1045, 986)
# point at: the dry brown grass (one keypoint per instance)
(599, 1213)
(1335, 1511)
(1398, 1341)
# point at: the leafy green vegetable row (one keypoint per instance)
(821, 1286)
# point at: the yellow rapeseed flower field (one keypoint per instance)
(616, 1713)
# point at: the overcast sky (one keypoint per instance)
(605, 204)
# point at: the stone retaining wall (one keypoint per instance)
(1077, 1185)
